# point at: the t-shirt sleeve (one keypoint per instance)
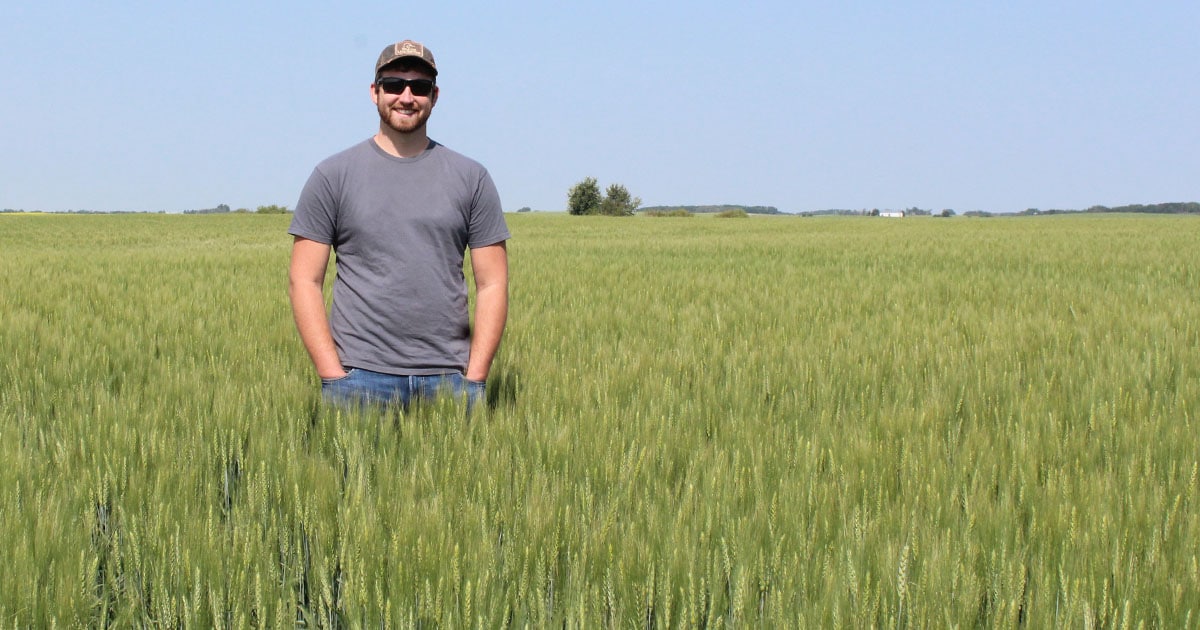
(487, 225)
(316, 210)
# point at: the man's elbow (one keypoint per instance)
(493, 287)
(294, 285)
(301, 286)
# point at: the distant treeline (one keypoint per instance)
(713, 209)
(12, 211)
(1190, 207)
(220, 209)
(873, 212)
(223, 208)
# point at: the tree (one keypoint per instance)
(584, 197)
(618, 202)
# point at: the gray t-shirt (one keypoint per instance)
(399, 228)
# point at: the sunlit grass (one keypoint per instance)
(776, 422)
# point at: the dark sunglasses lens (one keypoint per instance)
(421, 87)
(393, 85)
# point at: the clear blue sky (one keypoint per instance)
(995, 106)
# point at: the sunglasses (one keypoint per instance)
(396, 85)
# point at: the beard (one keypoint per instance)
(403, 120)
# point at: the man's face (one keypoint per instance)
(404, 112)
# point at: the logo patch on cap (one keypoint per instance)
(405, 49)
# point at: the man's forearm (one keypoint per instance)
(491, 314)
(308, 308)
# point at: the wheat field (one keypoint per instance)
(693, 422)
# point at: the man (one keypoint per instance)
(400, 210)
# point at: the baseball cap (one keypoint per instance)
(406, 48)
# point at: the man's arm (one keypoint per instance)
(306, 279)
(490, 267)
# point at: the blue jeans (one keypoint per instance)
(359, 387)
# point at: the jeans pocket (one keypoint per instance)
(347, 375)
